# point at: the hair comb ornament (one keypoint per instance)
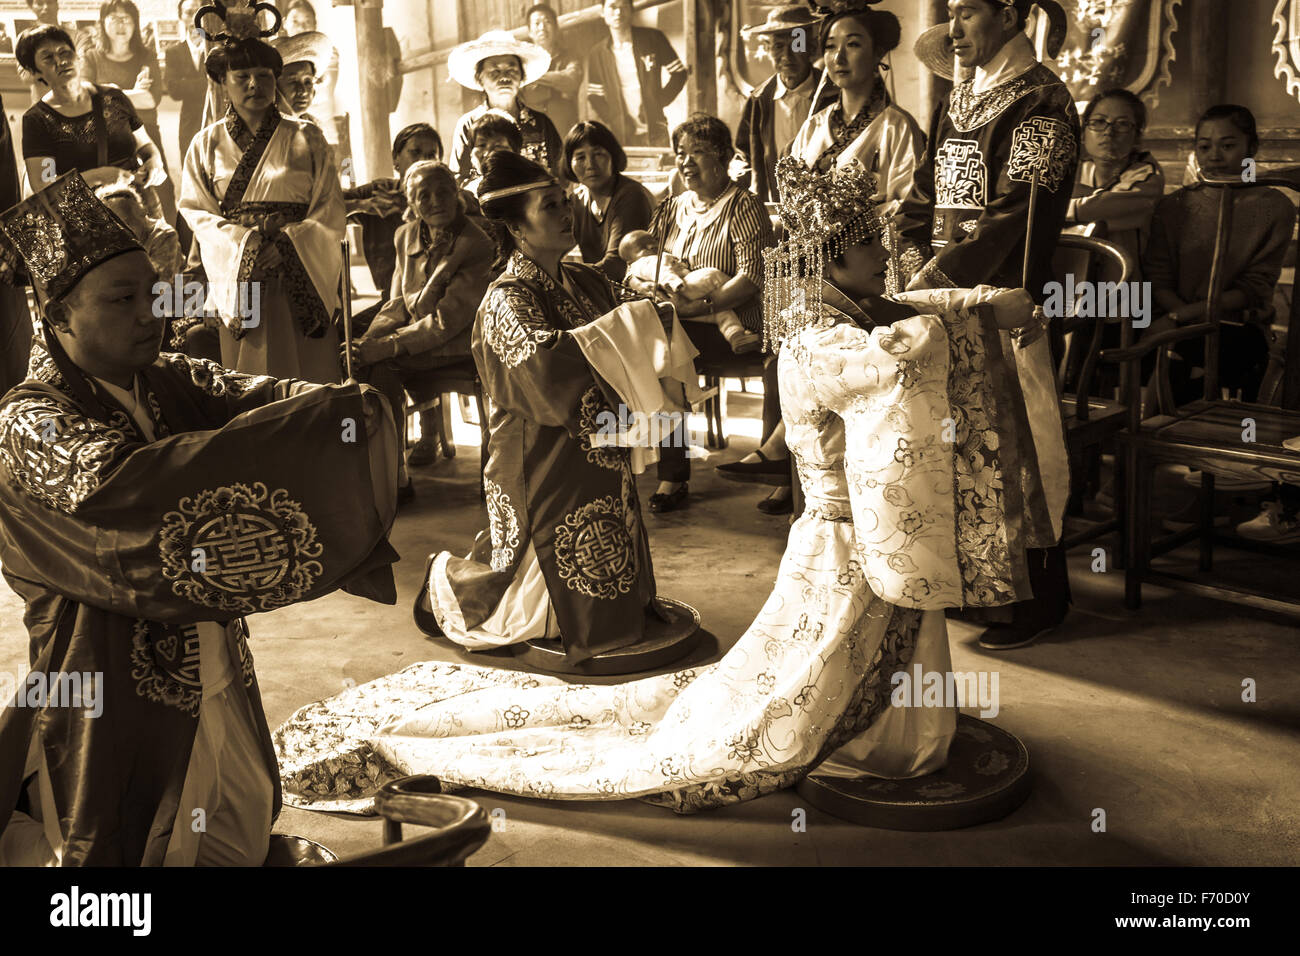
(240, 19)
(836, 7)
(823, 214)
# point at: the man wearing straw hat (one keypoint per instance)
(779, 105)
(499, 65)
(1000, 163)
(305, 57)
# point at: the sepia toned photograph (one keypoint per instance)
(650, 433)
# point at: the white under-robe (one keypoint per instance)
(297, 167)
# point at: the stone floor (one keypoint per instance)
(1139, 715)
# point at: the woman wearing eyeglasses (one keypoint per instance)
(500, 66)
(1119, 182)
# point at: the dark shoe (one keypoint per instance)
(423, 452)
(406, 493)
(764, 472)
(1004, 637)
(662, 504)
(777, 504)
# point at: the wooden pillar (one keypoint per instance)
(1207, 41)
(702, 84)
(934, 89)
(373, 71)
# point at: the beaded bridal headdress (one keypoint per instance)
(823, 214)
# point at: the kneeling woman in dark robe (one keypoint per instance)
(565, 553)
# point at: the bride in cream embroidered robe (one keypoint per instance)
(277, 184)
(925, 485)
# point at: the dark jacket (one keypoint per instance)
(604, 92)
(754, 135)
(185, 82)
(969, 203)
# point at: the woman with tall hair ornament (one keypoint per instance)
(262, 194)
(916, 481)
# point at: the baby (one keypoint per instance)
(161, 244)
(640, 250)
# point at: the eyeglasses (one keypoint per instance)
(1121, 126)
(504, 73)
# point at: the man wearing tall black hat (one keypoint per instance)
(147, 503)
(1008, 122)
(780, 104)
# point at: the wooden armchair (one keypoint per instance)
(1092, 420)
(460, 828)
(1211, 434)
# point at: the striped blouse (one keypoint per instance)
(730, 235)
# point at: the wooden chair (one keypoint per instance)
(428, 390)
(1207, 434)
(460, 829)
(715, 373)
(1092, 421)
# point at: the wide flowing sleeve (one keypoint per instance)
(941, 459)
(193, 527)
(317, 237)
(528, 367)
(226, 247)
(902, 149)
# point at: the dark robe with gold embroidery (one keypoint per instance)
(969, 202)
(252, 497)
(549, 492)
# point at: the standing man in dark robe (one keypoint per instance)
(964, 221)
(15, 319)
(625, 85)
(147, 504)
(780, 104)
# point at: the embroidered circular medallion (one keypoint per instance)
(593, 550)
(239, 548)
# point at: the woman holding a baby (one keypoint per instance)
(714, 225)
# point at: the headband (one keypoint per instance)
(516, 190)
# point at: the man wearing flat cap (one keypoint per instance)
(1009, 122)
(780, 104)
(147, 504)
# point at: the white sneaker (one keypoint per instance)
(1271, 525)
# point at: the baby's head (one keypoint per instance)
(126, 203)
(637, 244)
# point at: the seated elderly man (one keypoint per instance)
(305, 57)
(148, 503)
(444, 264)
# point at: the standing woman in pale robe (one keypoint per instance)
(263, 197)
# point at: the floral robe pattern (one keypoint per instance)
(811, 675)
